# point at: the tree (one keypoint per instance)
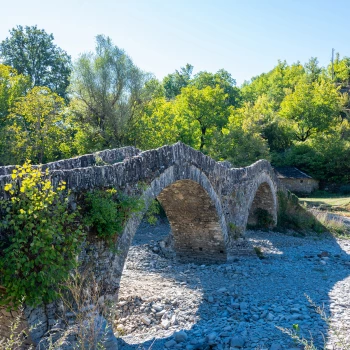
(12, 86)
(193, 117)
(274, 84)
(37, 128)
(203, 111)
(341, 69)
(241, 140)
(109, 92)
(312, 108)
(31, 52)
(157, 126)
(221, 78)
(173, 83)
(313, 71)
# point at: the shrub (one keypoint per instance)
(38, 232)
(291, 215)
(106, 211)
(259, 252)
(264, 218)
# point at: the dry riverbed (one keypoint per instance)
(238, 305)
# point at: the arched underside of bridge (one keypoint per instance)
(194, 210)
(195, 225)
(263, 205)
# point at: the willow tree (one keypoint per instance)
(108, 89)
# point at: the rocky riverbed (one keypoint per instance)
(164, 304)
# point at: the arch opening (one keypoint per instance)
(195, 225)
(262, 212)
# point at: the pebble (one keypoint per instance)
(170, 343)
(237, 342)
(146, 320)
(234, 305)
(180, 336)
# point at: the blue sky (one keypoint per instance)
(245, 37)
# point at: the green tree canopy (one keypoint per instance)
(173, 83)
(37, 128)
(109, 92)
(31, 52)
(221, 78)
(12, 86)
(274, 84)
(204, 111)
(341, 68)
(241, 140)
(312, 107)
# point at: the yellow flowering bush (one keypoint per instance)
(40, 237)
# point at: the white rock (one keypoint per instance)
(165, 324)
(157, 307)
(146, 320)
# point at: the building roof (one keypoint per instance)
(290, 173)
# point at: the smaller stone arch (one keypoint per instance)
(262, 201)
(196, 229)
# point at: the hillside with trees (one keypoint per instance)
(294, 115)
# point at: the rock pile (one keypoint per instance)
(167, 305)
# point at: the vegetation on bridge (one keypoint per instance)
(39, 230)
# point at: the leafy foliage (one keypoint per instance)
(264, 218)
(173, 83)
(312, 108)
(12, 86)
(293, 216)
(37, 128)
(154, 210)
(108, 92)
(38, 231)
(106, 211)
(31, 52)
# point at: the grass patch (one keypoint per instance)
(334, 225)
(322, 200)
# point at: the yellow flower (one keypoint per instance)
(8, 187)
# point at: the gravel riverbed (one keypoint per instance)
(164, 304)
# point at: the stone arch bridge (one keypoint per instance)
(208, 204)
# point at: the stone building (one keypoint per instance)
(295, 180)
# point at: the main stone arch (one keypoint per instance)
(180, 190)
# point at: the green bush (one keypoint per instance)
(291, 215)
(264, 218)
(325, 158)
(106, 211)
(40, 238)
(153, 212)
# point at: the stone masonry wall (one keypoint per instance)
(94, 159)
(300, 185)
